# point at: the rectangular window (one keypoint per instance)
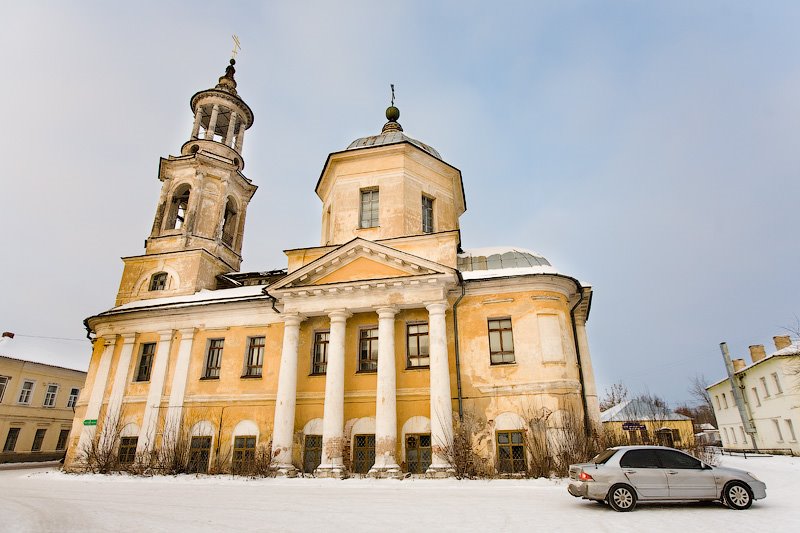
(199, 453)
(724, 401)
(756, 398)
(550, 338)
(73, 397)
(26, 392)
(778, 429)
(319, 357)
(790, 427)
(363, 453)
(427, 214)
(676, 436)
(417, 345)
(50, 395)
(214, 358)
(145, 361)
(63, 435)
(11, 440)
(741, 432)
(501, 341)
(777, 383)
(510, 452)
(418, 452)
(369, 208)
(255, 357)
(718, 404)
(38, 439)
(244, 453)
(766, 389)
(733, 435)
(312, 453)
(368, 350)
(127, 450)
(3, 384)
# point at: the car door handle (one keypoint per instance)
(672, 472)
(630, 471)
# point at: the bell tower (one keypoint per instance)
(199, 223)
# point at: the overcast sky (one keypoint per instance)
(648, 148)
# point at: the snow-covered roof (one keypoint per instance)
(637, 410)
(792, 349)
(200, 297)
(73, 354)
(502, 261)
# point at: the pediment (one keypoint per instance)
(361, 260)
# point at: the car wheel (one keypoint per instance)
(622, 498)
(737, 495)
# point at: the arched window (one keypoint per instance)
(178, 208)
(229, 222)
(158, 282)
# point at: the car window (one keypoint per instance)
(603, 456)
(675, 459)
(640, 459)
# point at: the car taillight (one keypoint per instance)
(585, 477)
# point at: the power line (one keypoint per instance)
(51, 338)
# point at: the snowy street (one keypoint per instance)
(44, 499)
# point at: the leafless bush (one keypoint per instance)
(554, 441)
(259, 465)
(467, 451)
(100, 454)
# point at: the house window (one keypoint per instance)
(676, 436)
(718, 404)
(741, 432)
(3, 384)
(127, 450)
(510, 452)
(254, 358)
(368, 350)
(369, 208)
(38, 439)
(732, 435)
(213, 358)
(501, 341)
(180, 204)
(244, 453)
(312, 453)
(777, 383)
(319, 357)
(418, 452)
(199, 454)
(427, 214)
(63, 435)
(417, 343)
(755, 396)
(158, 282)
(229, 223)
(11, 440)
(145, 361)
(363, 453)
(764, 384)
(50, 395)
(790, 427)
(724, 401)
(73, 397)
(25, 392)
(778, 429)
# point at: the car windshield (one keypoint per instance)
(603, 456)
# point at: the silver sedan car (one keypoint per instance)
(624, 475)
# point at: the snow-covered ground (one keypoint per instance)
(44, 499)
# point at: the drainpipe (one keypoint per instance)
(586, 422)
(272, 298)
(455, 340)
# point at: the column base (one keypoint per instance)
(385, 472)
(440, 472)
(285, 470)
(334, 472)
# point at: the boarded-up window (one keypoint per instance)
(550, 338)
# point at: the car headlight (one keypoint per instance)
(752, 475)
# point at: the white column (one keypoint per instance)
(332, 464)
(283, 425)
(212, 123)
(147, 435)
(386, 399)
(198, 116)
(441, 404)
(231, 127)
(177, 390)
(120, 380)
(98, 390)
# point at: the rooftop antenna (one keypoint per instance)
(236, 46)
(392, 86)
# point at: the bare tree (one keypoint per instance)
(617, 394)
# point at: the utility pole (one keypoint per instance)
(738, 397)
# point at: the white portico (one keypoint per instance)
(335, 286)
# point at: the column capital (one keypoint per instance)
(292, 319)
(109, 340)
(339, 315)
(128, 338)
(164, 335)
(187, 332)
(435, 308)
(387, 312)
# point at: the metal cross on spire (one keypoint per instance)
(236, 47)
(392, 86)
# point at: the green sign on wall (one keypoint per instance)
(88, 422)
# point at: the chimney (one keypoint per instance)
(11, 335)
(738, 364)
(757, 352)
(781, 341)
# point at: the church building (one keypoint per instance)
(363, 354)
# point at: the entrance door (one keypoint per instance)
(199, 453)
(418, 452)
(312, 453)
(363, 453)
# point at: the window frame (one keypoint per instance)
(214, 351)
(4, 381)
(511, 446)
(145, 362)
(421, 450)
(427, 214)
(10, 443)
(314, 448)
(249, 367)
(360, 466)
(755, 395)
(790, 427)
(374, 208)
(74, 394)
(126, 454)
(50, 401)
(38, 440)
(777, 383)
(29, 395)
(763, 380)
(324, 344)
(417, 336)
(243, 456)
(500, 330)
(158, 281)
(777, 424)
(63, 438)
(371, 343)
